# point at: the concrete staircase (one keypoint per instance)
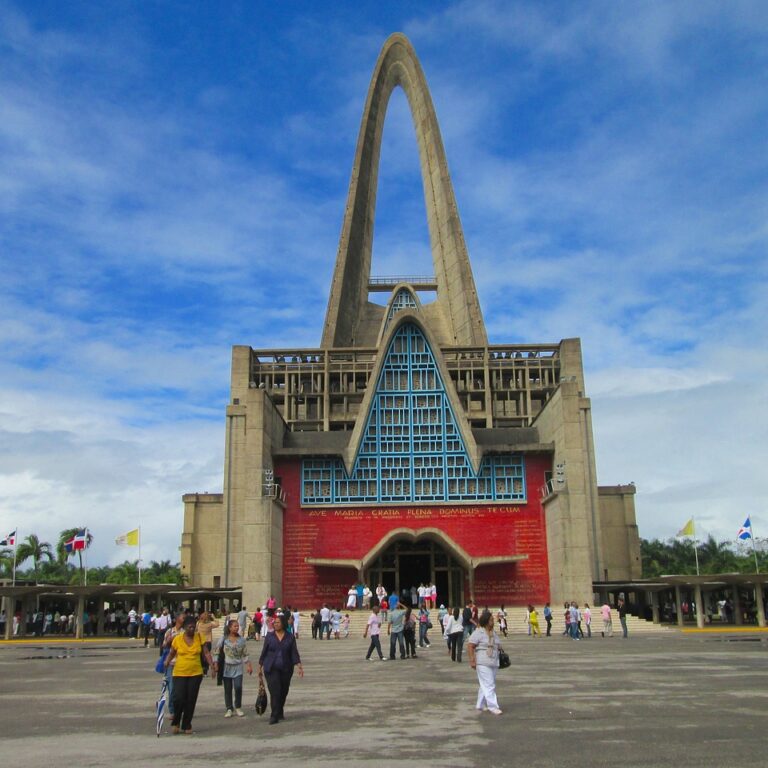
(516, 625)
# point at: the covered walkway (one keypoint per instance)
(688, 599)
(28, 598)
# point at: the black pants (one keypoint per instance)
(375, 645)
(229, 684)
(549, 627)
(278, 682)
(409, 635)
(456, 644)
(185, 690)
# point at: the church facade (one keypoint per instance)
(406, 448)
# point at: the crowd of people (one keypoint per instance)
(188, 654)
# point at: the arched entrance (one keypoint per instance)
(405, 564)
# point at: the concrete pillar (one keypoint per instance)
(655, 607)
(141, 604)
(700, 613)
(759, 605)
(100, 621)
(679, 606)
(79, 618)
(738, 618)
(8, 605)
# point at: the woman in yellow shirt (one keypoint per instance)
(533, 621)
(186, 649)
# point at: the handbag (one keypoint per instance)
(429, 624)
(504, 660)
(261, 698)
(160, 666)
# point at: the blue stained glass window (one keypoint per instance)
(403, 300)
(412, 449)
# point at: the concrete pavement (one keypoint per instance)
(665, 700)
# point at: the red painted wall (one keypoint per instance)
(351, 532)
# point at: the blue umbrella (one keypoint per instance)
(160, 706)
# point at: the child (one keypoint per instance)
(345, 625)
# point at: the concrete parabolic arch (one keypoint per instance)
(398, 65)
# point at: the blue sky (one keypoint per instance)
(173, 180)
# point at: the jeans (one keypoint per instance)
(623, 620)
(325, 627)
(374, 646)
(456, 643)
(574, 630)
(278, 682)
(549, 626)
(185, 690)
(423, 634)
(229, 684)
(169, 680)
(396, 637)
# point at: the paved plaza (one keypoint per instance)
(667, 700)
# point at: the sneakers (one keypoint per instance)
(239, 712)
(495, 711)
(228, 713)
(383, 658)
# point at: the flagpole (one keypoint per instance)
(695, 547)
(754, 549)
(139, 554)
(86, 557)
(13, 577)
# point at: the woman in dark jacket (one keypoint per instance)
(278, 658)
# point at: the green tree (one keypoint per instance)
(163, 572)
(125, 573)
(6, 562)
(35, 549)
(61, 548)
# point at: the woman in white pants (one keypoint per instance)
(483, 648)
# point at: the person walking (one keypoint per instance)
(533, 621)
(483, 648)
(279, 656)
(186, 651)
(373, 628)
(424, 624)
(234, 649)
(586, 614)
(501, 617)
(454, 631)
(622, 609)
(205, 626)
(605, 611)
(409, 634)
(548, 619)
(395, 627)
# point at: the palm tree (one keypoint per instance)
(61, 548)
(125, 573)
(6, 561)
(34, 548)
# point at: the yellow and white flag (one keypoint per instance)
(130, 539)
(688, 529)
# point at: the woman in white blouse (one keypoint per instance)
(483, 648)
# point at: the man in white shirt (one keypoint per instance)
(133, 623)
(325, 621)
(161, 625)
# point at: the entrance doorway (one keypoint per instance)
(406, 564)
